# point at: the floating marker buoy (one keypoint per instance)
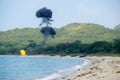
(23, 52)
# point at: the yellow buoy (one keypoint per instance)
(23, 52)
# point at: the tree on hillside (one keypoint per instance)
(100, 46)
(117, 27)
(117, 45)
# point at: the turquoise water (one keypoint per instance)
(36, 68)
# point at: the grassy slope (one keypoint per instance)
(85, 32)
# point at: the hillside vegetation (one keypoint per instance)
(87, 33)
(117, 27)
(17, 39)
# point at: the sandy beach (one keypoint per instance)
(102, 68)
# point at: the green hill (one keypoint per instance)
(85, 32)
(117, 27)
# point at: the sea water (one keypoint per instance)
(38, 68)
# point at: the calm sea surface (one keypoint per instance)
(35, 68)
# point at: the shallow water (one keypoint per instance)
(35, 68)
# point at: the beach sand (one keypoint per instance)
(102, 68)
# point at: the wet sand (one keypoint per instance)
(102, 68)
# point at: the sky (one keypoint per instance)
(21, 13)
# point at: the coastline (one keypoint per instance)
(68, 71)
(102, 68)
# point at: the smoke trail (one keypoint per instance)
(46, 15)
(47, 31)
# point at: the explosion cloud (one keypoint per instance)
(47, 31)
(44, 12)
(46, 15)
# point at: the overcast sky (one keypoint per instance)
(21, 13)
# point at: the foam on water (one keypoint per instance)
(66, 72)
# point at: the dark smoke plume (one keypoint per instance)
(44, 12)
(47, 31)
(46, 15)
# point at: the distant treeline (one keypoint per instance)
(76, 47)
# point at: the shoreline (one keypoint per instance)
(102, 68)
(68, 71)
(42, 55)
